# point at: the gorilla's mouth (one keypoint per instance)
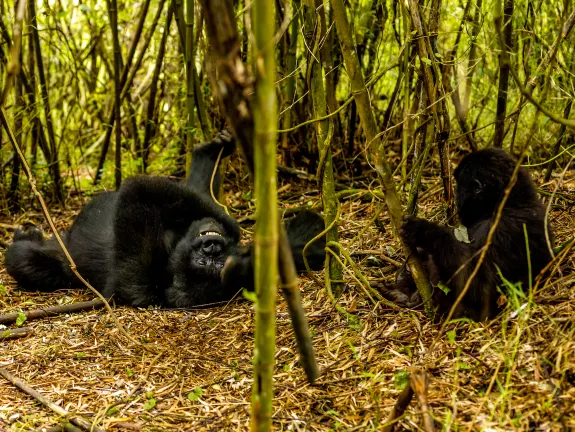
(210, 233)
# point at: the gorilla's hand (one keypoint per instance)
(226, 140)
(238, 270)
(416, 232)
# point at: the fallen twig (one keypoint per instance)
(52, 311)
(399, 408)
(418, 381)
(76, 420)
(16, 333)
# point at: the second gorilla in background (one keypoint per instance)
(154, 242)
(519, 248)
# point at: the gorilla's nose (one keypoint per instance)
(212, 246)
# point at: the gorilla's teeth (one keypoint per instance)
(213, 233)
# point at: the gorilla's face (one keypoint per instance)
(209, 247)
(204, 249)
(481, 179)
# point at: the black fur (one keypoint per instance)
(300, 230)
(154, 242)
(481, 179)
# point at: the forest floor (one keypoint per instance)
(516, 372)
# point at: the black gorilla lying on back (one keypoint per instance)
(155, 242)
(481, 178)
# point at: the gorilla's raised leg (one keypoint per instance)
(204, 161)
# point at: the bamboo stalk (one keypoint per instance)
(19, 107)
(16, 333)
(152, 114)
(290, 73)
(54, 163)
(266, 232)
(189, 48)
(501, 21)
(233, 87)
(13, 66)
(113, 14)
(324, 135)
(128, 75)
(383, 169)
(52, 311)
(403, 401)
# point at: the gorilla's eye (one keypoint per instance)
(202, 262)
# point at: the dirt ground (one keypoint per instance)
(191, 370)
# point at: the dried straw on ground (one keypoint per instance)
(510, 374)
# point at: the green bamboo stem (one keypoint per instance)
(113, 12)
(367, 118)
(266, 233)
(189, 49)
(290, 72)
(324, 135)
(53, 161)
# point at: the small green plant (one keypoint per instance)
(21, 318)
(150, 402)
(195, 394)
(401, 379)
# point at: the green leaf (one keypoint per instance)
(150, 403)
(113, 410)
(461, 234)
(195, 394)
(401, 379)
(6, 333)
(80, 355)
(129, 372)
(443, 287)
(451, 336)
(3, 290)
(21, 318)
(426, 61)
(250, 295)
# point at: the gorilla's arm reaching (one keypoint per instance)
(239, 270)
